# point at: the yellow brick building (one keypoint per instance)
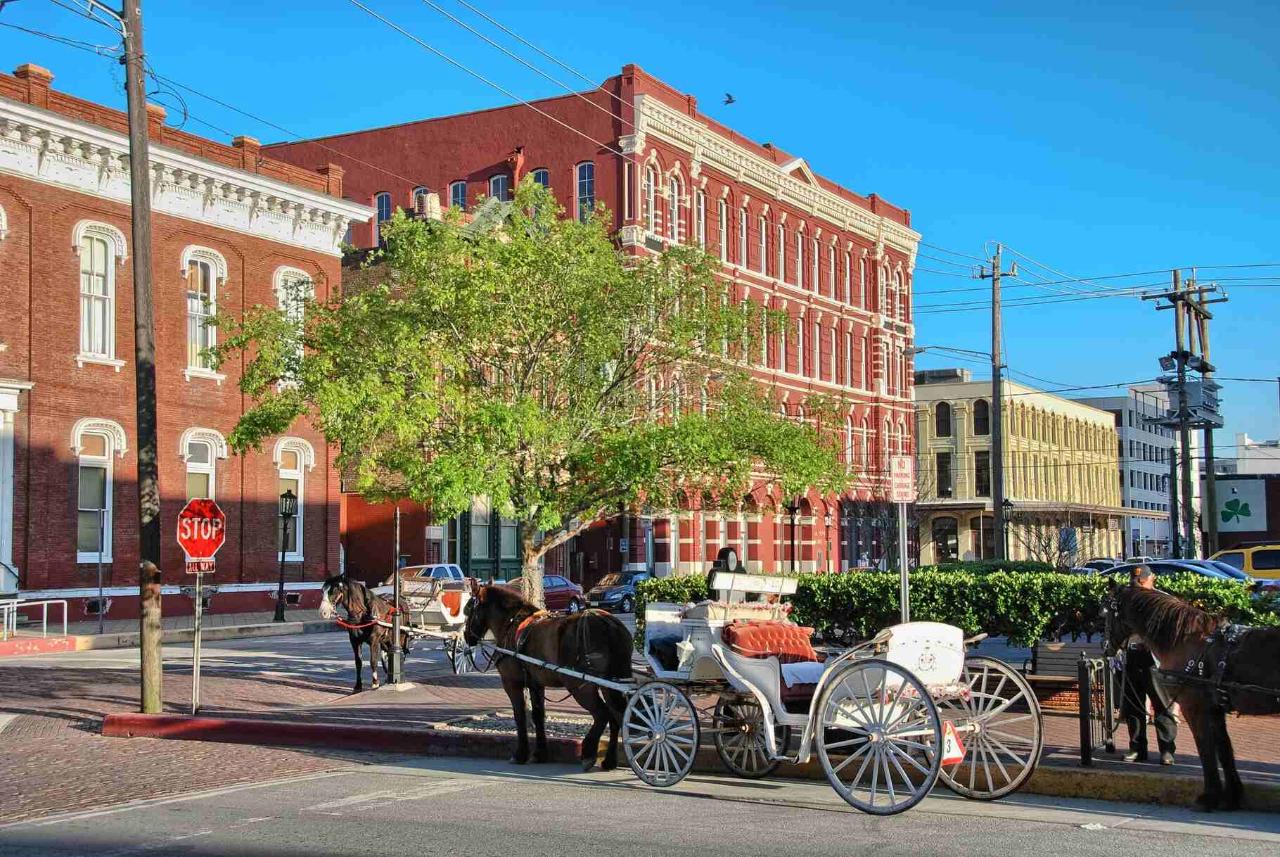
(1061, 484)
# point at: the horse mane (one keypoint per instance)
(1168, 620)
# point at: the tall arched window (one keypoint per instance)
(864, 438)
(542, 176)
(420, 200)
(382, 202)
(101, 248)
(848, 440)
(981, 417)
(498, 186)
(815, 368)
(762, 239)
(586, 196)
(294, 290)
(942, 420)
(800, 345)
(781, 272)
(700, 215)
(96, 444)
(722, 212)
(200, 449)
(848, 277)
(800, 258)
(673, 209)
(650, 191)
(293, 458)
(813, 265)
(742, 237)
(831, 270)
(205, 270)
(458, 195)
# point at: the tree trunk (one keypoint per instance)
(531, 571)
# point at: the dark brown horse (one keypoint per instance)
(590, 642)
(365, 613)
(1209, 668)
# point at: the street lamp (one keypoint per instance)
(288, 510)
(826, 529)
(1007, 505)
(792, 508)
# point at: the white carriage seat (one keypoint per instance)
(932, 651)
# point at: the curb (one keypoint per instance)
(1050, 779)
(23, 646)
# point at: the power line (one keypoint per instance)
(1132, 291)
(944, 249)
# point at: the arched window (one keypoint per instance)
(650, 190)
(904, 440)
(864, 438)
(800, 345)
(200, 448)
(942, 420)
(96, 443)
(813, 265)
(382, 202)
(673, 209)
(742, 237)
(294, 290)
(815, 368)
(862, 282)
(101, 249)
(205, 270)
(420, 199)
(800, 258)
(762, 239)
(458, 195)
(848, 359)
(293, 458)
(542, 176)
(946, 539)
(781, 272)
(831, 270)
(848, 277)
(782, 346)
(848, 440)
(700, 216)
(499, 185)
(722, 212)
(586, 197)
(981, 417)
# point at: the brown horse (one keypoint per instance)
(590, 642)
(365, 613)
(1209, 668)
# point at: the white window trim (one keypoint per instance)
(800, 259)
(546, 172)
(213, 437)
(216, 261)
(650, 190)
(117, 445)
(702, 219)
(763, 238)
(577, 187)
(800, 323)
(782, 253)
(307, 461)
(817, 350)
(452, 187)
(120, 251)
(742, 237)
(848, 277)
(378, 219)
(813, 266)
(500, 178)
(723, 209)
(673, 208)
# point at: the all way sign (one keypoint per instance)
(202, 530)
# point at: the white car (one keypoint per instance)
(424, 580)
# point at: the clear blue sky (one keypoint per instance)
(1096, 138)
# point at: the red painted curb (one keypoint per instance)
(19, 646)
(427, 742)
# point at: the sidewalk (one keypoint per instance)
(408, 721)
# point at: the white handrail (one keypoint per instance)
(9, 615)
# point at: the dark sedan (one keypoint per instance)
(616, 592)
(558, 592)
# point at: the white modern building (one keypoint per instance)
(1145, 450)
(1249, 457)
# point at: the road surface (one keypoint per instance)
(449, 807)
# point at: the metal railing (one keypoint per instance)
(1097, 708)
(9, 615)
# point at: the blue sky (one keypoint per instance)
(1095, 138)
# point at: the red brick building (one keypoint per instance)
(231, 229)
(840, 264)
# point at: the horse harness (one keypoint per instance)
(1212, 667)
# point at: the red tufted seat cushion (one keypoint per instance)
(782, 640)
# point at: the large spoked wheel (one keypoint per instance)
(461, 657)
(878, 734)
(997, 720)
(660, 733)
(739, 737)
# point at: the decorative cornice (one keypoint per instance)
(53, 149)
(668, 124)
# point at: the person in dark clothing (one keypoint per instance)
(1140, 683)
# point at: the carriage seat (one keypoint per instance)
(799, 664)
(725, 611)
(451, 600)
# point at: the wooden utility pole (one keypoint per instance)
(145, 358)
(998, 523)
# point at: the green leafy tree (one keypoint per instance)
(520, 356)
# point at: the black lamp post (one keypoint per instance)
(1007, 505)
(288, 510)
(792, 508)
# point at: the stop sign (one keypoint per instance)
(202, 528)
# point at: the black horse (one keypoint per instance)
(1210, 668)
(365, 613)
(591, 642)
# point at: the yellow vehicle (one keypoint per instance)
(1257, 559)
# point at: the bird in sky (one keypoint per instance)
(728, 98)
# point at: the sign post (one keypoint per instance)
(902, 490)
(202, 530)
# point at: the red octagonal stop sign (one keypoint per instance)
(202, 528)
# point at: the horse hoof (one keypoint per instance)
(608, 764)
(587, 765)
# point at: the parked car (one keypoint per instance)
(616, 592)
(1260, 561)
(1131, 560)
(420, 580)
(558, 592)
(1166, 568)
(1227, 569)
(1100, 564)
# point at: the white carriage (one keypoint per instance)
(436, 609)
(886, 719)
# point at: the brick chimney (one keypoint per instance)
(155, 122)
(333, 177)
(38, 80)
(250, 150)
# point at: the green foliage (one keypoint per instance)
(985, 566)
(523, 357)
(1023, 606)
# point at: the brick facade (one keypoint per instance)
(636, 131)
(204, 197)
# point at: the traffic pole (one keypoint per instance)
(396, 660)
(195, 646)
(904, 576)
(149, 613)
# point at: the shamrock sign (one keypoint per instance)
(1235, 510)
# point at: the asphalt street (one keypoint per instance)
(462, 806)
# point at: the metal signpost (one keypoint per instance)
(902, 490)
(202, 529)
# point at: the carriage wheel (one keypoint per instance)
(739, 737)
(878, 734)
(461, 656)
(998, 721)
(660, 733)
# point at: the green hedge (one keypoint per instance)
(1024, 606)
